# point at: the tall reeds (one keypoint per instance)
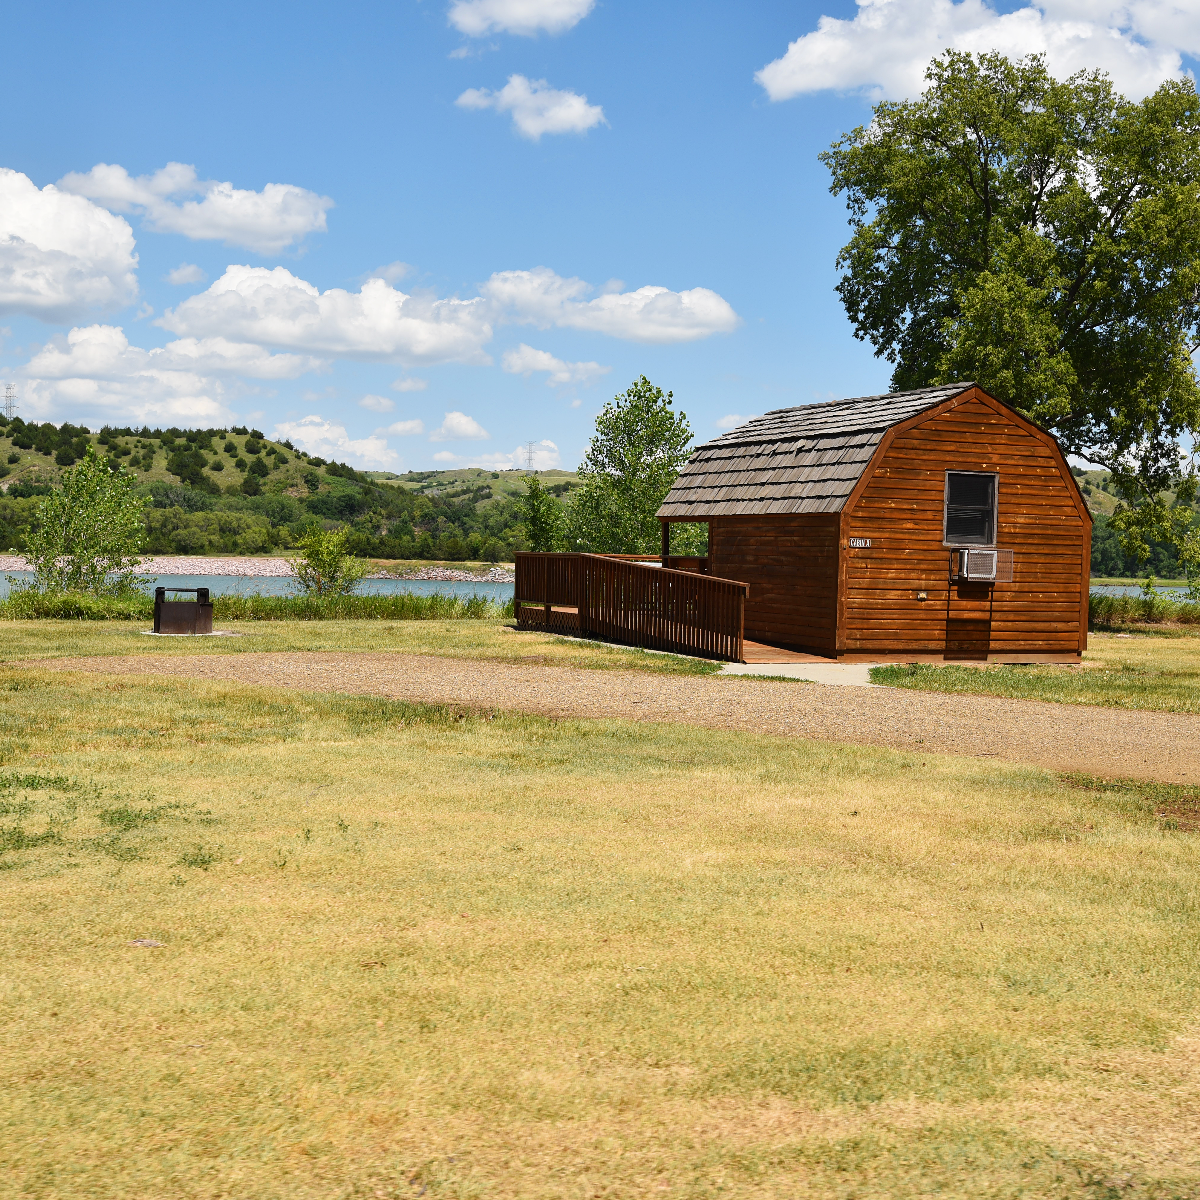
(400, 606)
(1152, 608)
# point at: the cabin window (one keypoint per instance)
(970, 517)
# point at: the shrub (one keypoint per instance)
(323, 568)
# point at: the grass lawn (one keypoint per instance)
(490, 639)
(1142, 670)
(409, 951)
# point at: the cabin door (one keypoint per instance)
(968, 621)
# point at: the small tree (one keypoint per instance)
(542, 515)
(322, 567)
(638, 450)
(89, 531)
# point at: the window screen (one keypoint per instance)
(970, 509)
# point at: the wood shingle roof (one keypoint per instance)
(793, 460)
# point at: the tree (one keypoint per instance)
(1042, 238)
(542, 516)
(89, 531)
(638, 450)
(323, 568)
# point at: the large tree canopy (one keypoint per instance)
(1042, 238)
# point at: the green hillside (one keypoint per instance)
(235, 491)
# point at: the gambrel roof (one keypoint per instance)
(793, 460)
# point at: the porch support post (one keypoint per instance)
(666, 541)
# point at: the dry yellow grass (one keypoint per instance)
(410, 951)
(468, 639)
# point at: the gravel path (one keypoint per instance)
(1062, 737)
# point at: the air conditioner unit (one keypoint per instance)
(985, 566)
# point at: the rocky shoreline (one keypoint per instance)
(276, 568)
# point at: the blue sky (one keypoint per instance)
(366, 193)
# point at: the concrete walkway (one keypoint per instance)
(852, 674)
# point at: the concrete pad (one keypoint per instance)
(851, 674)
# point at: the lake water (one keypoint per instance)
(1113, 589)
(275, 585)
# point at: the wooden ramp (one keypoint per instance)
(759, 652)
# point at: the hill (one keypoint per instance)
(236, 491)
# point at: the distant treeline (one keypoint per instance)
(234, 491)
(1109, 558)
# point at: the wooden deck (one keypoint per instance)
(626, 601)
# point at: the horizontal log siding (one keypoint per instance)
(900, 510)
(790, 562)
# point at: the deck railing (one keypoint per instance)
(630, 602)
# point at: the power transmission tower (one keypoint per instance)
(529, 455)
(10, 401)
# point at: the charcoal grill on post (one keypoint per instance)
(182, 616)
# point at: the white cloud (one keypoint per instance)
(536, 107)
(477, 18)
(60, 255)
(732, 421)
(406, 428)
(458, 426)
(545, 458)
(408, 384)
(275, 308)
(391, 273)
(650, 314)
(524, 360)
(186, 273)
(887, 46)
(377, 403)
(95, 373)
(325, 439)
(266, 221)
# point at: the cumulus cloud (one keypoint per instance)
(458, 426)
(94, 373)
(478, 18)
(406, 428)
(186, 273)
(524, 360)
(379, 404)
(545, 458)
(391, 273)
(649, 314)
(885, 49)
(60, 255)
(733, 420)
(536, 107)
(267, 221)
(327, 439)
(275, 308)
(409, 384)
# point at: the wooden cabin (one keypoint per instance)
(920, 526)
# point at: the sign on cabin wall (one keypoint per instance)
(860, 543)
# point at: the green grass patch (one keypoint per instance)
(274, 945)
(1156, 672)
